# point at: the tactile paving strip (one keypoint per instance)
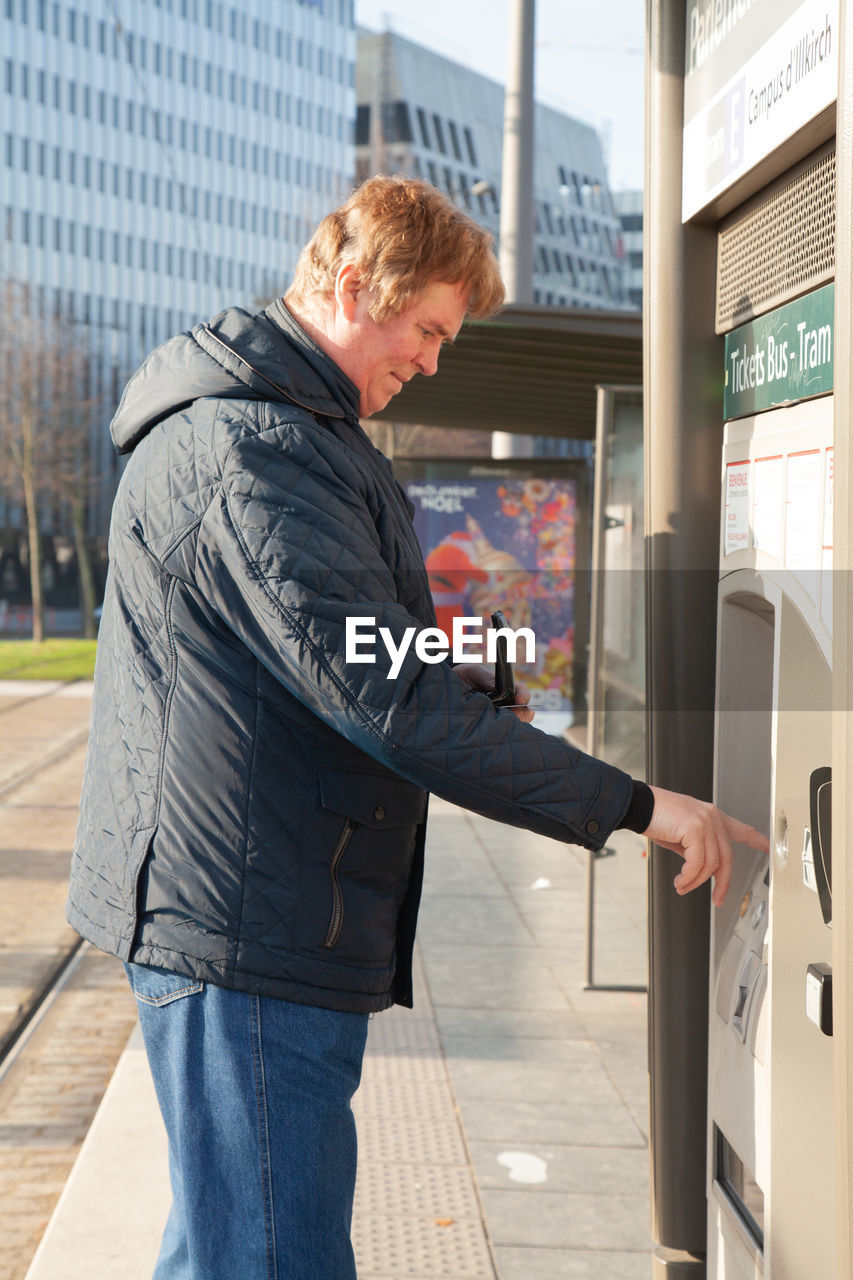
(394, 1032)
(416, 1190)
(396, 1087)
(416, 1215)
(419, 1247)
(405, 1140)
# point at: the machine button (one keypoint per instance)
(758, 913)
(744, 906)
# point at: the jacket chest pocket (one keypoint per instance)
(365, 872)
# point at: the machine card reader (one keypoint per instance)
(820, 806)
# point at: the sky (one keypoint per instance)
(589, 58)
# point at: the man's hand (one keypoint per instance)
(482, 678)
(702, 835)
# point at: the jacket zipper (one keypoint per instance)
(337, 896)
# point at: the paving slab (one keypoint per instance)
(571, 1264)
(35, 854)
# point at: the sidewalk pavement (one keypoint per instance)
(502, 1122)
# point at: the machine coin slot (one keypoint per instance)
(820, 806)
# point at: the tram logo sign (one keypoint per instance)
(755, 72)
(782, 357)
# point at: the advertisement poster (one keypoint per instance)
(505, 541)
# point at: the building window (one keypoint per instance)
(439, 134)
(424, 127)
(454, 140)
(469, 143)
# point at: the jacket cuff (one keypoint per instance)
(638, 815)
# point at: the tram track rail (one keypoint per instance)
(27, 699)
(16, 1036)
(46, 762)
(33, 1008)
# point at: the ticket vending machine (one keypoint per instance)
(748, 390)
(771, 1203)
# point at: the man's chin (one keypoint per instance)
(367, 410)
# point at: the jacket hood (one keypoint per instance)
(237, 355)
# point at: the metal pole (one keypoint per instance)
(516, 225)
(604, 409)
(683, 433)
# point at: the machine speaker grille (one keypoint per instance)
(780, 245)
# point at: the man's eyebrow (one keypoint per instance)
(444, 334)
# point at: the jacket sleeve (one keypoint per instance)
(286, 552)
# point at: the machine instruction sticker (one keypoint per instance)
(755, 72)
(737, 507)
(767, 505)
(782, 357)
(802, 517)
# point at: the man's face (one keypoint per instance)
(381, 357)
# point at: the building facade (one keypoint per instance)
(162, 159)
(424, 115)
(629, 210)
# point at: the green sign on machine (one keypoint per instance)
(782, 357)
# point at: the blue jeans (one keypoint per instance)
(255, 1094)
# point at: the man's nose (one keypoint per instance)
(427, 360)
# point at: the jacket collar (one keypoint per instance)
(343, 389)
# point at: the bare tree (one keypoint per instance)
(45, 414)
(69, 413)
(22, 443)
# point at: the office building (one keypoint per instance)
(629, 210)
(421, 114)
(161, 159)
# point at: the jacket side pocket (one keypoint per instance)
(160, 986)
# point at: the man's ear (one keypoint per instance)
(348, 288)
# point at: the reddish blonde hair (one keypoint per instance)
(401, 235)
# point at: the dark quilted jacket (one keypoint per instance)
(254, 807)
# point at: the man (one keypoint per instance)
(252, 824)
